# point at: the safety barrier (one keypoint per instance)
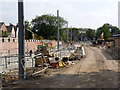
(9, 64)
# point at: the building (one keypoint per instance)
(82, 37)
(3, 29)
(29, 34)
(12, 29)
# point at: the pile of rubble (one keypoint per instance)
(53, 60)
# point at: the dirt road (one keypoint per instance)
(97, 70)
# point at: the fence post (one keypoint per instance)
(60, 53)
(5, 62)
(32, 65)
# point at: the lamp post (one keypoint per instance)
(58, 27)
(74, 34)
(21, 37)
(71, 34)
(67, 33)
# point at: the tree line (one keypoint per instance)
(45, 27)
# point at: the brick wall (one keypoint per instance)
(11, 46)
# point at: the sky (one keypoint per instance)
(79, 13)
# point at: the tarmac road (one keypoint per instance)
(96, 70)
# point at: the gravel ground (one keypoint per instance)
(96, 70)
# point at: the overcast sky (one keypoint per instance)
(79, 13)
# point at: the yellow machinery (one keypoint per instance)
(61, 64)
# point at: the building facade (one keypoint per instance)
(3, 29)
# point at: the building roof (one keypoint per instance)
(116, 35)
(15, 28)
(1, 23)
(9, 28)
(29, 31)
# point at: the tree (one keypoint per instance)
(90, 33)
(28, 30)
(104, 29)
(108, 29)
(27, 25)
(47, 26)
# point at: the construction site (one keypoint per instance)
(42, 54)
(78, 66)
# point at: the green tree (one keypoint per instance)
(90, 33)
(27, 25)
(47, 26)
(108, 30)
(104, 29)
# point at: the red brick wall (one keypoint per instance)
(13, 46)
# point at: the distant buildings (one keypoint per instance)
(11, 31)
(3, 29)
(83, 37)
(77, 35)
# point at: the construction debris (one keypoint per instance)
(36, 73)
(44, 60)
(70, 63)
(44, 51)
(60, 64)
